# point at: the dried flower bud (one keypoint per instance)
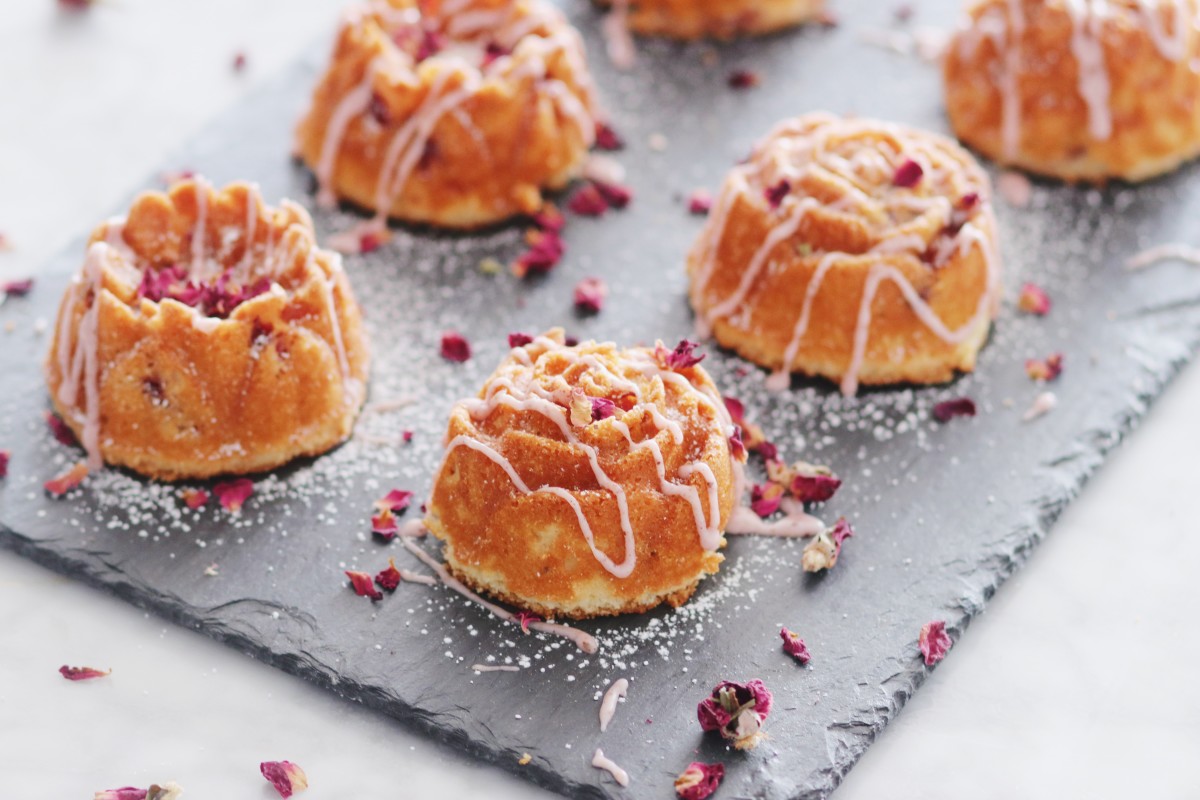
(794, 646)
(699, 781)
(765, 498)
(700, 202)
(1044, 369)
(737, 711)
(823, 551)
(682, 357)
(589, 295)
(1034, 300)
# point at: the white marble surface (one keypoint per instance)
(1079, 681)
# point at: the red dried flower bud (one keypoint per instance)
(234, 494)
(362, 585)
(607, 138)
(432, 43)
(777, 192)
(590, 294)
(519, 339)
(737, 711)
(194, 498)
(389, 578)
(492, 52)
(958, 407)
(286, 777)
(588, 201)
(82, 673)
(455, 347)
(934, 642)
(699, 780)
(682, 357)
(1034, 300)
(406, 435)
(68, 480)
(1044, 369)
(76, 5)
(908, 175)
(700, 202)
(794, 646)
(743, 79)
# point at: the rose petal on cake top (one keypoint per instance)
(699, 781)
(82, 673)
(525, 619)
(17, 288)
(700, 202)
(602, 408)
(194, 498)
(1044, 369)
(743, 79)
(752, 435)
(232, 495)
(737, 711)
(363, 585)
(908, 175)
(61, 432)
(607, 138)
(681, 358)
(68, 480)
(589, 295)
(934, 642)
(519, 339)
(455, 347)
(389, 578)
(286, 777)
(1034, 300)
(777, 191)
(958, 407)
(794, 646)
(549, 218)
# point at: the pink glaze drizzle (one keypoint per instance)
(601, 761)
(608, 706)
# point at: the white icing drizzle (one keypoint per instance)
(495, 668)
(1164, 252)
(601, 761)
(788, 151)
(582, 639)
(1095, 87)
(608, 706)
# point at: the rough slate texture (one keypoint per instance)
(944, 513)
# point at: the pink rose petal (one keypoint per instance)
(700, 202)
(68, 480)
(794, 646)
(232, 495)
(286, 777)
(699, 780)
(363, 585)
(743, 79)
(525, 619)
(519, 339)
(82, 673)
(590, 294)
(958, 407)
(5, 456)
(588, 201)
(195, 498)
(455, 347)
(607, 138)
(61, 432)
(389, 578)
(776, 193)
(682, 357)
(1034, 300)
(908, 175)
(934, 642)
(18, 288)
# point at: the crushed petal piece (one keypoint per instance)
(389, 578)
(82, 673)
(18, 288)
(737, 446)
(607, 138)
(62, 432)
(794, 646)
(699, 780)
(68, 480)
(363, 585)
(519, 339)
(958, 407)
(546, 249)
(124, 793)
(210, 571)
(775, 194)
(490, 265)
(5, 456)
(752, 435)
(744, 79)
(700, 202)
(823, 551)
(590, 294)
(1034, 300)
(1044, 369)
(549, 218)
(455, 347)
(737, 711)
(384, 525)
(682, 357)
(934, 642)
(395, 501)
(233, 494)
(286, 777)
(765, 498)
(908, 175)
(525, 619)
(194, 498)
(602, 408)
(617, 195)
(588, 201)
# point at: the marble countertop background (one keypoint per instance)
(1079, 680)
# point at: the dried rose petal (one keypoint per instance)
(519, 339)
(549, 218)
(776, 193)
(607, 138)
(934, 642)
(1044, 369)
(602, 408)
(76, 5)
(699, 780)
(737, 711)
(286, 777)
(362, 584)
(1034, 300)
(68, 480)
(581, 408)
(60, 430)
(908, 175)
(813, 484)
(125, 792)
(194, 498)
(384, 525)
(406, 435)
(17, 288)
(794, 646)
(525, 619)
(958, 407)
(369, 241)
(395, 501)
(617, 195)
(588, 201)
(823, 551)
(82, 673)
(389, 578)
(682, 357)
(700, 202)
(239, 62)
(233, 494)
(737, 447)
(743, 79)
(590, 294)
(4, 459)
(765, 498)
(546, 249)
(752, 435)
(455, 347)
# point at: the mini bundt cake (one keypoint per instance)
(456, 113)
(1078, 89)
(587, 481)
(719, 19)
(856, 250)
(206, 334)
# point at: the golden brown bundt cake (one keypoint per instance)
(587, 480)
(720, 19)
(856, 250)
(205, 334)
(1078, 89)
(456, 113)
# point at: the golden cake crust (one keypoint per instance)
(166, 389)
(1078, 91)
(525, 543)
(718, 19)
(457, 114)
(784, 280)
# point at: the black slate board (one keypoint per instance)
(944, 513)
